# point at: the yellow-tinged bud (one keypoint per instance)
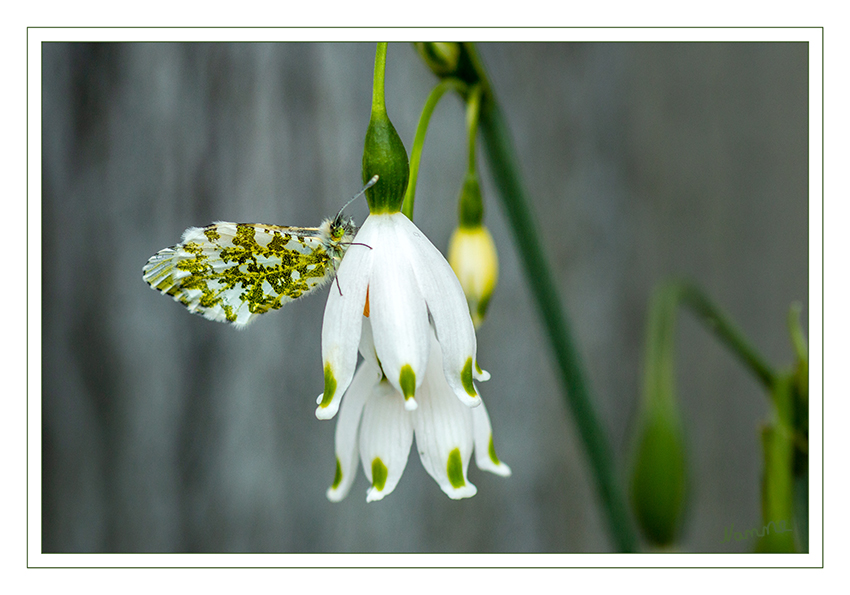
(441, 57)
(472, 255)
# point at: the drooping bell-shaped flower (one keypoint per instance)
(409, 286)
(398, 302)
(376, 428)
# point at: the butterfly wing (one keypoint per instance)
(230, 272)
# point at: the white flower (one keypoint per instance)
(400, 303)
(375, 427)
(394, 275)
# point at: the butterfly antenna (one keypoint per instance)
(372, 181)
(369, 184)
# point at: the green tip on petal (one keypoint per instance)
(466, 378)
(407, 381)
(454, 469)
(379, 474)
(492, 452)
(338, 474)
(330, 386)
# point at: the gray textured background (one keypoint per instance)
(165, 432)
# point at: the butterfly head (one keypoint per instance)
(337, 234)
(342, 229)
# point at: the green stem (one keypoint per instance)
(472, 113)
(504, 169)
(378, 101)
(726, 330)
(384, 154)
(419, 139)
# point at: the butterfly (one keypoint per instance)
(232, 272)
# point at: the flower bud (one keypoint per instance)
(472, 255)
(659, 476)
(658, 481)
(441, 57)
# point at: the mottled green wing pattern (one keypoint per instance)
(230, 272)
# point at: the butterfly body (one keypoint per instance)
(231, 272)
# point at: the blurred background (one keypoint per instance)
(164, 432)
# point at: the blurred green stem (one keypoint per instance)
(800, 390)
(723, 327)
(777, 493)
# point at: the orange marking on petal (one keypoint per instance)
(366, 305)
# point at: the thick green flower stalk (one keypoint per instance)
(384, 154)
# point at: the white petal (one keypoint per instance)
(448, 308)
(485, 453)
(398, 313)
(386, 432)
(346, 444)
(367, 345)
(443, 429)
(341, 327)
